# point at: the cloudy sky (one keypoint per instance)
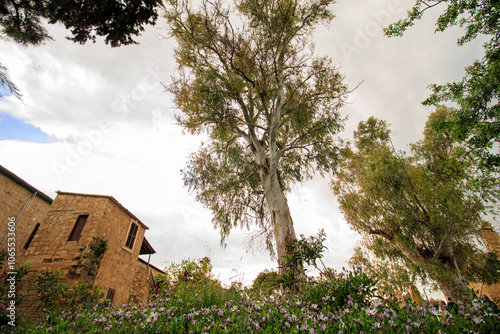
(96, 120)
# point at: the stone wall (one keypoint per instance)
(144, 272)
(13, 197)
(50, 247)
(491, 240)
(119, 262)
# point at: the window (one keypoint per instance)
(78, 228)
(32, 235)
(110, 295)
(131, 236)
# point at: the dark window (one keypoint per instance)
(32, 235)
(110, 295)
(131, 236)
(78, 228)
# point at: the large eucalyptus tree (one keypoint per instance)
(247, 77)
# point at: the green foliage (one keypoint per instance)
(422, 211)
(266, 283)
(117, 21)
(189, 270)
(269, 107)
(21, 21)
(484, 268)
(336, 290)
(9, 285)
(341, 305)
(99, 247)
(329, 288)
(392, 274)
(193, 284)
(6, 82)
(475, 121)
(57, 296)
(299, 252)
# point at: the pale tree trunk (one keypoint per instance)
(284, 232)
(282, 223)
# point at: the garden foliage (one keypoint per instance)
(57, 296)
(6, 285)
(189, 299)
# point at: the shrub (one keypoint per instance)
(8, 282)
(329, 288)
(57, 296)
(347, 288)
(266, 282)
(193, 284)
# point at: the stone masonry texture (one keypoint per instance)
(119, 268)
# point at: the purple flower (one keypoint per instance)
(349, 303)
(468, 316)
(477, 320)
(220, 313)
(322, 327)
(228, 320)
(409, 329)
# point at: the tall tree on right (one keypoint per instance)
(424, 209)
(476, 120)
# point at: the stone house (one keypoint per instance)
(65, 234)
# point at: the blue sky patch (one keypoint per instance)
(4, 90)
(17, 129)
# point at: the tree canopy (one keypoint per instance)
(248, 78)
(118, 21)
(476, 119)
(424, 209)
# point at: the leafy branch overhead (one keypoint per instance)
(249, 79)
(475, 120)
(118, 21)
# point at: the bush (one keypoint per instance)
(9, 286)
(266, 283)
(193, 284)
(57, 296)
(336, 290)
